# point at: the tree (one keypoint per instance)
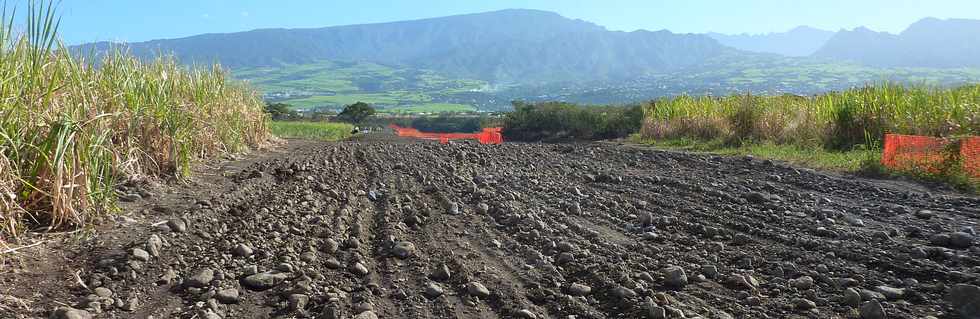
(281, 111)
(356, 113)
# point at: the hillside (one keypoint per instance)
(931, 43)
(798, 42)
(510, 46)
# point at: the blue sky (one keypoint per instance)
(139, 20)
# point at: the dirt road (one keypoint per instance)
(388, 228)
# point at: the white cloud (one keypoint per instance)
(245, 14)
(205, 16)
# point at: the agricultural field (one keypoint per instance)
(334, 84)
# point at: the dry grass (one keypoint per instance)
(69, 131)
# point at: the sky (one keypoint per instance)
(139, 20)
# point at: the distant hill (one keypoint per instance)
(932, 43)
(798, 42)
(509, 46)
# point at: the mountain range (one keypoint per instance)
(486, 58)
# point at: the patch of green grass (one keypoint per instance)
(431, 108)
(841, 161)
(859, 161)
(312, 130)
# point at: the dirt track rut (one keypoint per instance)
(550, 231)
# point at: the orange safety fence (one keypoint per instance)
(930, 154)
(491, 135)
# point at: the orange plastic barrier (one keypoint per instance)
(930, 154)
(488, 136)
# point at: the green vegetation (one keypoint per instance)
(432, 108)
(71, 131)
(834, 126)
(553, 121)
(334, 84)
(843, 161)
(281, 111)
(312, 130)
(356, 113)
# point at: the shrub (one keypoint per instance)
(554, 121)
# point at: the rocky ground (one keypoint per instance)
(391, 228)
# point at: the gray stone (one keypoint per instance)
(852, 297)
(709, 271)
(579, 290)
(433, 290)
(70, 313)
(655, 312)
(154, 245)
(242, 250)
(965, 300)
(331, 246)
(177, 225)
(103, 292)
(403, 250)
(298, 302)
(675, 276)
(264, 281)
(803, 283)
(960, 240)
(891, 293)
(139, 254)
(366, 315)
(359, 269)
(227, 296)
(201, 279)
(441, 273)
(477, 290)
(872, 310)
(804, 304)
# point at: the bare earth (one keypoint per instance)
(394, 228)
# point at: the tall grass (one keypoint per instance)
(70, 131)
(836, 121)
(312, 130)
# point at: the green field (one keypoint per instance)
(431, 108)
(311, 130)
(334, 84)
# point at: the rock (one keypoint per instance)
(891, 293)
(263, 281)
(403, 250)
(359, 269)
(298, 302)
(675, 277)
(872, 310)
(140, 255)
(103, 292)
(366, 315)
(709, 271)
(526, 314)
(177, 225)
(241, 250)
(308, 257)
(960, 240)
(227, 296)
(477, 290)
(940, 240)
(332, 263)
(924, 214)
(756, 197)
(804, 304)
(482, 208)
(965, 300)
(70, 313)
(331, 246)
(852, 297)
(442, 273)
(623, 292)
(433, 290)
(201, 279)
(655, 312)
(453, 208)
(803, 283)
(154, 245)
(579, 290)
